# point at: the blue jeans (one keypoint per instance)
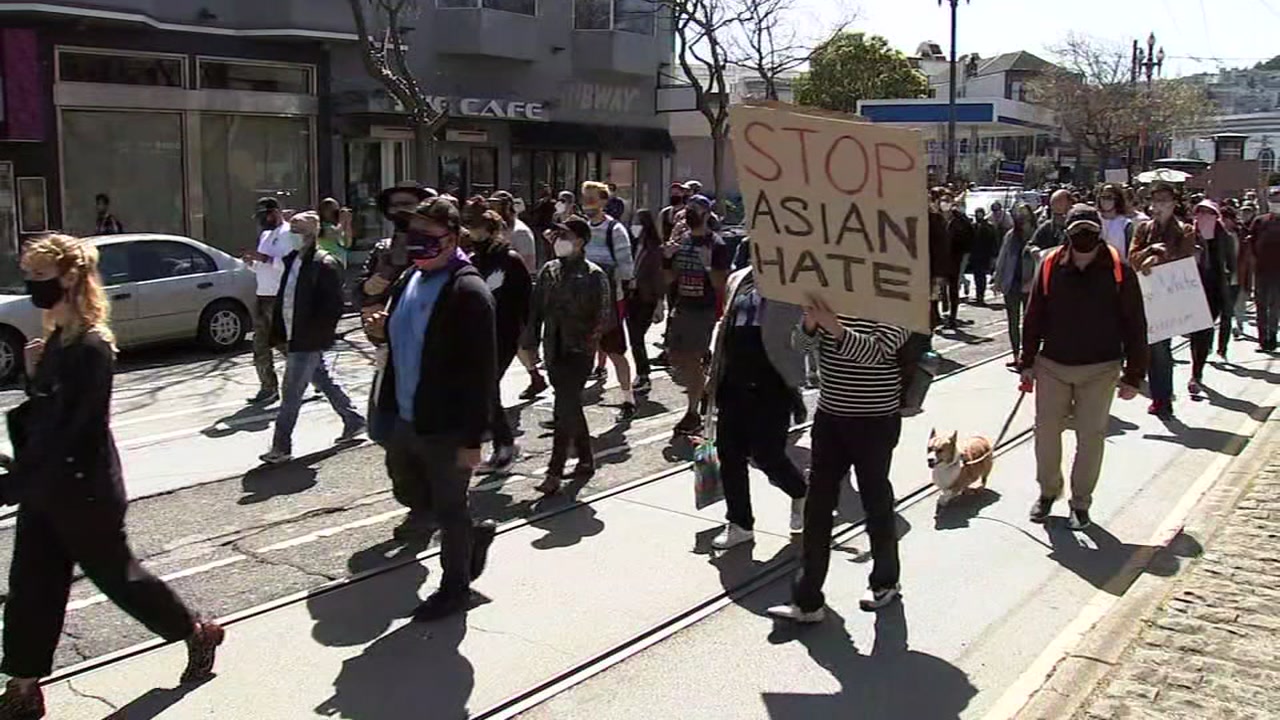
(1160, 374)
(300, 370)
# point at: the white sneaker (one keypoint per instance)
(797, 515)
(795, 614)
(873, 600)
(732, 536)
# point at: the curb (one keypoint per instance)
(1086, 668)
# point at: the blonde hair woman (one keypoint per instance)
(66, 480)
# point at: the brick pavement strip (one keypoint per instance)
(1212, 648)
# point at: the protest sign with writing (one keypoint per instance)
(837, 209)
(1174, 299)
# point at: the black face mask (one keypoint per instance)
(677, 200)
(401, 223)
(1085, 242)
(46, 293)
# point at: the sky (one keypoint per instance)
(1238, 33)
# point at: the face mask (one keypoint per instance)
(424, 246)
(1085, 242)
(563, 248)
(944, 207)
(1208, 226)
(401, 223)
(561, 207)
(46, 293)
(677, 200)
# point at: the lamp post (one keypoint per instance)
(1148, 64)
(951, 102)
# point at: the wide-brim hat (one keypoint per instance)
(384, 197)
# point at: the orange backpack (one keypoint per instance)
(1051, 259)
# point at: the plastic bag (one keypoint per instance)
(707, 488)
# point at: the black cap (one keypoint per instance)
(1083, 217)
(1164, 186)
(441, 211)
(384, 197)
(576, 225)
(267, 204)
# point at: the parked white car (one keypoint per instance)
(162, 288)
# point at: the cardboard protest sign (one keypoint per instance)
(1174, 299)
(837, 209)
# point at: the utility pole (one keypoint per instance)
(951, 106)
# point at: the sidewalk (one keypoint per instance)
(1212, 649)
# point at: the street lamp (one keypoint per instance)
(951, 102)
(1148, 64)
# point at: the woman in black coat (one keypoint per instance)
(507, 276)
(66, 480)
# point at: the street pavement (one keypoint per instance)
(616, 607)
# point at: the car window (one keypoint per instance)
(113, 264)
(159, 259)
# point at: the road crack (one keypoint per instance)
(71, 685)
(517, 636)
(264, 559)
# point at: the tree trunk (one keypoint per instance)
(717, 165)
(425, 169)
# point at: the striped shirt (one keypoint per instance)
(858, 375)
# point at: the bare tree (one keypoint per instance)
(767, 44)
(381, 25)
(702, 30)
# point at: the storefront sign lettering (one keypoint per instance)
(490, 108)
(596, 97)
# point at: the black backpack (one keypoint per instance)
(917, 366)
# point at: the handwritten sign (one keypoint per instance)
(1175, 301)
(837, 210)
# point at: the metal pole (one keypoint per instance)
(951, 118)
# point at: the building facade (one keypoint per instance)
(184, 112)
(1247, 103)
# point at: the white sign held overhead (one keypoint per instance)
(1174, 300)
(1119, 176)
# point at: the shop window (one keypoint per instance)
(522, 178)
(623, 174)
(453, 173)
(520, 7)
(243, 158)
(589, 166)
(484, 171)
(634, 16)
(252, 77)
(99, 67)
(136, 158)
(1266, 160)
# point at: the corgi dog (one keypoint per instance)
(957, 464)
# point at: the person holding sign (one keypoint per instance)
(1084, 284)
(857, 426)
(1162, 239)
(696, 262)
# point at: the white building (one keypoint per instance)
(1248, 103)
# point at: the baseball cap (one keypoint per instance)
(1083, 217)
(702, 200)
(442, 211)
(406, 186)
(267, 204)
(1209, 205)
(576, 225)
(1163, 186)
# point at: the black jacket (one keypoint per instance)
(961, 235)
(459, 361)
(572, 308)
(939, 246)
(985, 245)
(63, 448)
(507, 277)
(317, 304)
(387, 259)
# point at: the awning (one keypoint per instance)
(581, 136)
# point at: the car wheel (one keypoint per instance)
(11, 353)
(224, 326)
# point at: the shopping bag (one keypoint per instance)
(707, 488)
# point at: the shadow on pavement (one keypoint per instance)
(1244, 372)
(338, 625)
(269, 481)
(152, 703)
(893, 682)
(1193, 438)
(1243, 407)
(415, 671)
(568, 528)
(964, 508)
(1117, 427)
(1109, 564)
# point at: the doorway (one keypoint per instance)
(468, 171)
(371, 166)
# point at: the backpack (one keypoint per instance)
(917, 367)
(1046, 266)
(608, 239)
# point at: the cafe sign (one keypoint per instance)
(490, 108)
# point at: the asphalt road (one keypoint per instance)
(231, 535)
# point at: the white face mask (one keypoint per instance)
(561, 207)
(944, 207)
(563, 248)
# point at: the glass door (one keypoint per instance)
(371, 166)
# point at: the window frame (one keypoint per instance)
(480, 5)
(125, 250)
(58, 50)
(137, 246)
(311, 70)
(613, 21)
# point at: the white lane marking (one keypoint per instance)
(1034, 677)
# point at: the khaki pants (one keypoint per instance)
(1084, 393)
